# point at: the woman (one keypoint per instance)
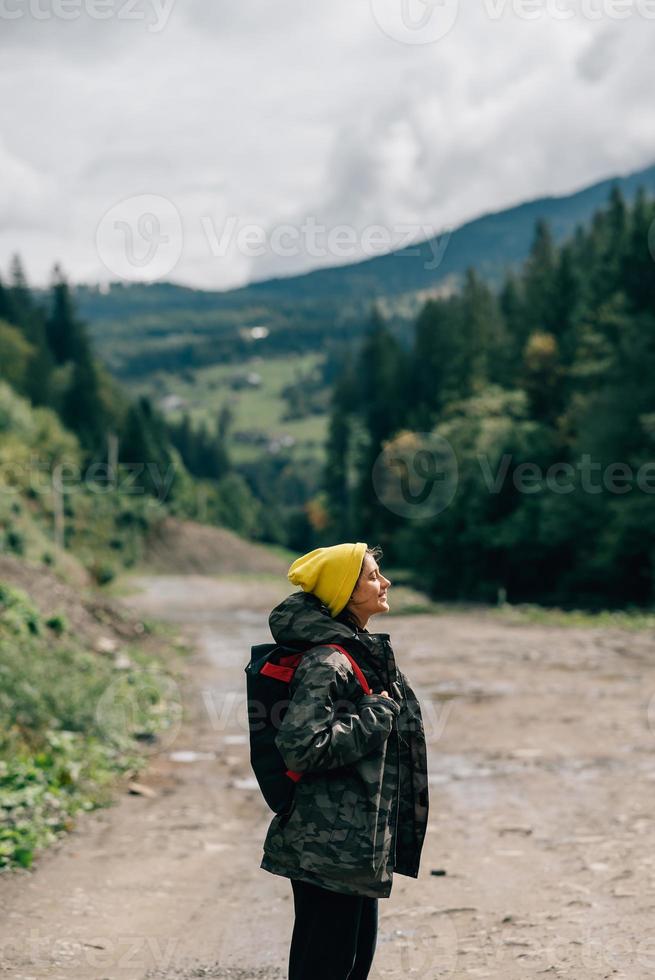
(360, 809)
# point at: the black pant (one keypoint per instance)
(334, 934)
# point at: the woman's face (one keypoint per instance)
(370, 594)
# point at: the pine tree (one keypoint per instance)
(66, 335)
(434, 359)
(225, 421)
(567, 302)
(381, 380)
(512, 310)
(539, 279)
(7, 310)
(21, 297)
(542, 376)
(30, 319)
(483, 335)
(337, 457)
(144, 445)
(83, 410)
(212, 455)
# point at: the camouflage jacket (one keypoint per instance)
(360, 810)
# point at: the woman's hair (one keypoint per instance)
(345, 616)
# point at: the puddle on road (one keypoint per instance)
(453, 766)
(479, 780)
(254, 618)
(466, 778)
(228, 645)
(245, 782)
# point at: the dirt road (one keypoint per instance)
(541, 751)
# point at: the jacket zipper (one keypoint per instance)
(411, 765)
(395, 829)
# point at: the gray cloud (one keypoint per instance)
(597, 60)
(273, 114)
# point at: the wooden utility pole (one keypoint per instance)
(58, 507)
(112, 457)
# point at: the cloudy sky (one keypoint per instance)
(212, 143)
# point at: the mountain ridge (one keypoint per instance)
(141, 327)
(584, 201)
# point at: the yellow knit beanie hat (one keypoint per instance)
(330, 573)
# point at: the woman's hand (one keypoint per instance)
(313, 734)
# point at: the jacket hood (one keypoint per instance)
(303, 618)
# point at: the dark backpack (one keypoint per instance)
(268, 676)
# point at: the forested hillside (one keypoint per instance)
(509, 450)
(84, 467)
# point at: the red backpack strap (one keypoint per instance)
(358, 672)
(284, 669)
(286, 673)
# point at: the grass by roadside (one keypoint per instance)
(72, 720)
(627, 619)
(406, 602)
